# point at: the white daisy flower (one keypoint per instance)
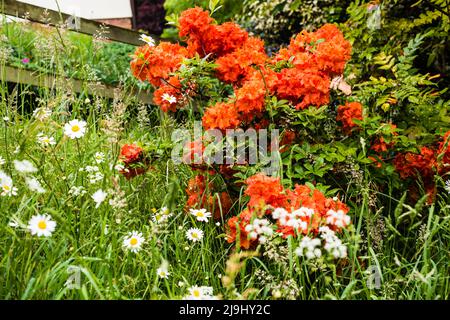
(99, 157)
(200, 214)
(99, 196)
(163, 270)
(75, 129)
(134, 241)
(169, 98)
(45, 141)
(162, 215)
(24, 166)
(34, 185)
(41, 225)
(42, 113)
(6, 185)
(148, 40)
(200, 293)
(194, 234)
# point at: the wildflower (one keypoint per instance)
(99, 196)
(259, 230)
(133, 242)
(77, 191)
(45, 140)
(194, 234)
(169, 98)
(34, 185)
(200, 214)
(94, 174)
(25, 60)
(2, 161)
(99, 157)
(6, 185)
(41, 225)
(163, 270)
(162, 215)
(200, 293)
(24, 166)
(148, 40)
(42, 113)
(75, 129)
(6, 119)
(308, 248)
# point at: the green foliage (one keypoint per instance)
(276, 21)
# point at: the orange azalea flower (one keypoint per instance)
(237, 65)
(172, 89)
(265, 190)
(130, 153)
(348, 112)
(444, 148)
(157, 63)
(221, 116)
(239, 223)
(411, 164)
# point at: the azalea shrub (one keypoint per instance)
(332, 137)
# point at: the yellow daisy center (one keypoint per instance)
(200, 214)
(194, 235)
(42, 225)
(133, 241)
(6, 187)
(196, 293)
(75, 128)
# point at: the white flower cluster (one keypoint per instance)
(94, 174)
(297, 219)
(338, 218)
(259, 229)
(77, 191)
(333, 245)
(309, 248)
(26, 168)
(447, 186)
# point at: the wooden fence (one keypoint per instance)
(57, 19)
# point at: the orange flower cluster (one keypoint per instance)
(200, 195)
(411, 165)
(267, 193)
(133, 159)
(317, 57)
(155, 64)
(444, 150)
(170, 88)
(204, 37)
(348, 112)
(309, 63)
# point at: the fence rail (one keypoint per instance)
(80, 25)
(23, 76)
(55, 18)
